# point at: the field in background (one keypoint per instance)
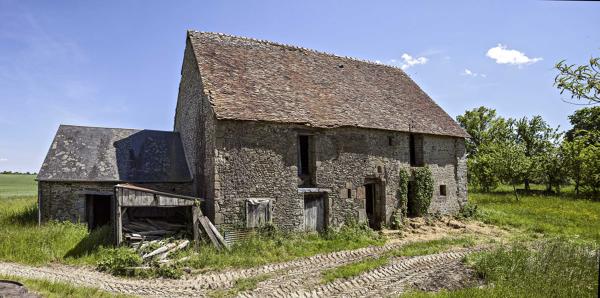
(552, 215)
(12, 185)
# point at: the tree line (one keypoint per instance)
(528, 150)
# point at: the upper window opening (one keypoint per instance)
(306, 160)
(390, 141)
(415, 144)
(303, 168)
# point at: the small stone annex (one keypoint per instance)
(267, 133)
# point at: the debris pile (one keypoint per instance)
(159, 250)
(145, 229)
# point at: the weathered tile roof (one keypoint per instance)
(248, 79)
(80, 153)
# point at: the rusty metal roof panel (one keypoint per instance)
(256, 80)
(80, 153)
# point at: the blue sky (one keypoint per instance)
(117, 64)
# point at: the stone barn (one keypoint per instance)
(271, 133)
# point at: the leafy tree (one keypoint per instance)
(481, 169)
(538, 139)
(485, 128)
(477, 123)
(584, 120)
(573, 159)
(590, 168)
(553, 167)
(581, 81)
(510, 162)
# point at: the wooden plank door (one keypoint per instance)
(314, 214)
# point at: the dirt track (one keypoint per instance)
(294, 278)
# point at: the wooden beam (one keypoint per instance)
(196, 214)
(213, 238)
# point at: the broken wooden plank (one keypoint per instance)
(159, 250)
(217, 234)
(206, 227)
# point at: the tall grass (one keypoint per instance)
(264, 248)
(555, 268)
(23, 241)
(51, 289)
(550, 215)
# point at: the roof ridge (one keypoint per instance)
(291, 46)
(121, 128)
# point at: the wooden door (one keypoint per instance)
(314, 213)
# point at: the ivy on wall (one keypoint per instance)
(403, 191)
(423, 191)
(402, 194)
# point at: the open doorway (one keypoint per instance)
(374, 204)
(98, 210)
(410, 204)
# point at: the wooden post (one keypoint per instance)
(118, 217)
(196, 213)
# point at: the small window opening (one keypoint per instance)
(390, 141)
(349, 193)
(379, 170)
(442, 190)
(341, 66)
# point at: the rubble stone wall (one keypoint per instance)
(259, 160)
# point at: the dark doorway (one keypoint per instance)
(373, 205)
(410, 206)
(314, 212)
(98, 210)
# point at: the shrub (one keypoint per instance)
(423, 191)
(117, 261)
(467, 210)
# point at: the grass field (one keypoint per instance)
(551, 215)
(575, 222)
(17, 186)
(554, 254)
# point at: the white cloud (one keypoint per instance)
(3, 159)
(406, 61)
(503, 55)
(468, 72)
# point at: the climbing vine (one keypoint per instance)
(402, 194)
(423, 191)
(403, 191)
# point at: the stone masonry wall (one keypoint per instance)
(65, 201)
(259, 160)
(194, 120)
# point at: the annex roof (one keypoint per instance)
(80, 153)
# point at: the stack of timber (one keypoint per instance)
(148, 229)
